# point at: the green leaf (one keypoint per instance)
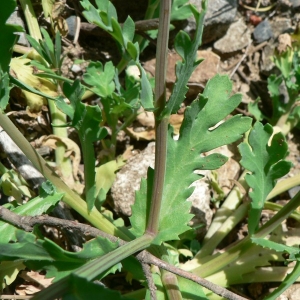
(275, 246)
(9, 270)
(28, 88)
(34, 207)
(190, 290)
(4, 90)
(266, 164)
(40, 254)
(63, 266)
(141, 206)
(81, 289)
(180, 10)
(128, 30)
(186, 155)
(8, 36)
(105, 177)
(101, 79)
(86, 119)
(254, 109)
(146, 90)
(278, 108)
(185, 68)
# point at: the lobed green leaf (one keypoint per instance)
(184, 69)
(101, 79)
(266, 164)
(186, 155)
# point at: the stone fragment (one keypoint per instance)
(200, 206)
(262, 32)
(295, 4)
(207, 69)
(15, 19)
(220, 13)
(281, 25)
(128, 179)
(236, 38)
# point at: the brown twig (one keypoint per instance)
(140, 26)
(28, 222)
(250, 52)
(151, 285)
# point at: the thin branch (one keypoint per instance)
(146, 257)
(151, 285)
(27, 223)
(140, 26)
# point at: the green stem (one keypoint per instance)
(89, 171)
(231, 203)
(170, 283)
(282, 215)
(148, 15)
(70, 197)
(31, 20)
(232, 253)
(63, 163)
(57, 117)
(208, 248)
(277, 207)
(161, 125)
(94, 268)
(284, 185)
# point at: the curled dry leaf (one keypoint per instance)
(72, 151)
(284, 42)
(146, 118)
(20, 69)
(147, 135)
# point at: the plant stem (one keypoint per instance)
(63, 163)
(231, 203)
(58, 118)
(219, 261)
(282, 215)
(170, 283)
(277, 207)
(161, 124)
(284, 185)
(237, 215)
(70, 197)
(94, 268)
(33, 26)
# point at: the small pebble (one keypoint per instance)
(262, 32)
(76, 69)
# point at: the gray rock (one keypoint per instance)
(236, 38)
(129, 178)
(220, 14)
(200, 206)
(262, 32)
(280, 26)
(295, 4)
(267, 66)
(15, 19)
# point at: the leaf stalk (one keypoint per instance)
(161, 125)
